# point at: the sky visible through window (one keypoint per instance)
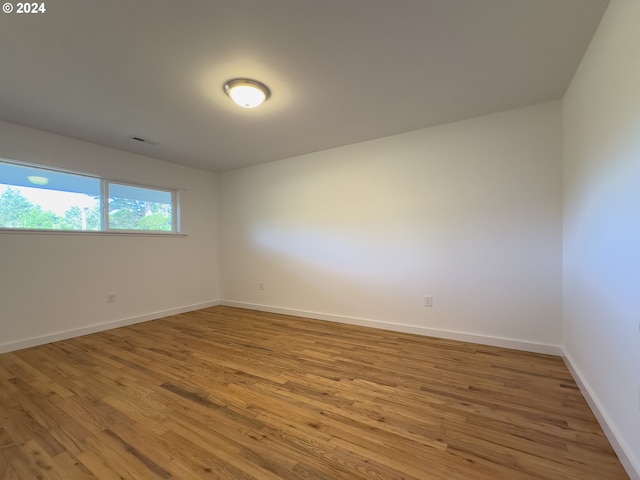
(55, 201)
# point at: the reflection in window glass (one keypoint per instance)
(34, 198)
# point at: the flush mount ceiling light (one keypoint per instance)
(37, 180)
(247, 93)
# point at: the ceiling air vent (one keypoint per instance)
(142, 140)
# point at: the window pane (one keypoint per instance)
(36, 198)
(137, 208)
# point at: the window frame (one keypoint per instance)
(105, 229)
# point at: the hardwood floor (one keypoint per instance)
(237, 394)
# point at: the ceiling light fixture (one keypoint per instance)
(38, 180)
(247, 93)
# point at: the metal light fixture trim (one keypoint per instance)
(247, 93)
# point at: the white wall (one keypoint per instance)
(602, 224)
(58, 283)
(468, 212)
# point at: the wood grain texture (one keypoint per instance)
(227, 393)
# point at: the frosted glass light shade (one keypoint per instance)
(247, 93)
(37, 180)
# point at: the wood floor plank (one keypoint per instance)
(99, 465)
(227, 393)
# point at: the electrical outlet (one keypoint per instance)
(428, 301)
(111, 298)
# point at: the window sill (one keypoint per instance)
(111, 233)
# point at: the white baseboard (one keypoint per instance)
(399, 327)
(625, 454)
(99, 327)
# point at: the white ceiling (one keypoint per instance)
(340, 71)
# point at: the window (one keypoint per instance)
(43, 199)
(139, 208)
